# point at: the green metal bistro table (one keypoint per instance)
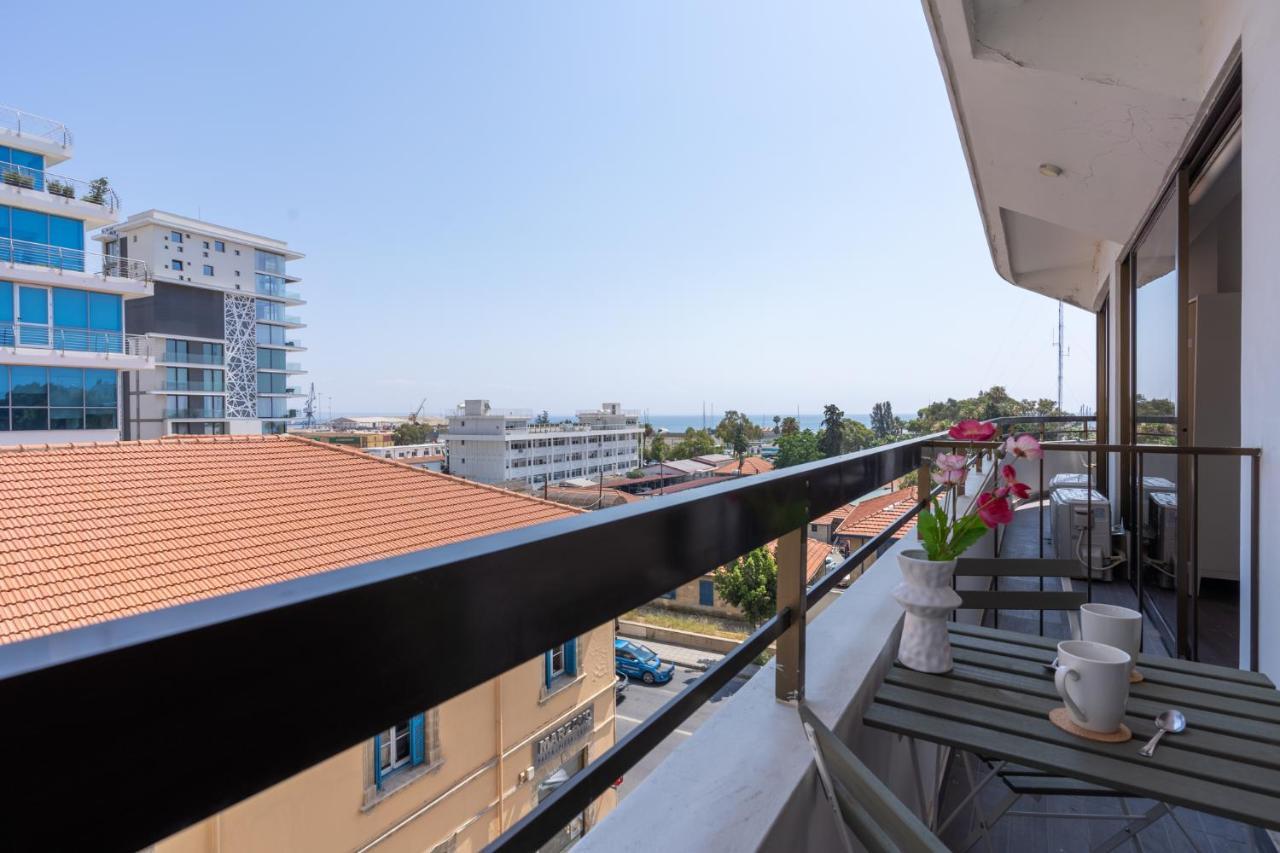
(995, 704)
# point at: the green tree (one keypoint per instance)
(542, 419)
(739, 442)
(995, 402)
(777, 421)
(831, 436)
(855, 435)
(657, 449)
(790, 426)
(883, 423)
(731, 421)
(98, 189)
(750, 584)
(796, 449)
(696, 442)
(411, 432)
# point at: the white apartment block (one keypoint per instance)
(494, 447)
(429, 456)
(64, 338)
(220, 327)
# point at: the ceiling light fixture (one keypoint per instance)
(1050, 171)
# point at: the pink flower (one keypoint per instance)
(951, 468)
(971, 430)
(1021, 491)
(1024, 447)
(994, 509)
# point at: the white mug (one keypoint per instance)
(1112, 626)
(1093, 681)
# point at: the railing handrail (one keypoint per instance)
(42, 178)
(63, 259)
(29, 124)
(66, 339)
(285, 650)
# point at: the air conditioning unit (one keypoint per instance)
(1164, 525)
(1068, 481)
(1153, 486)
(1081, 522)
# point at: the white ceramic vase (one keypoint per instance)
(926, 594)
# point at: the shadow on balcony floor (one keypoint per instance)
(1019, 833)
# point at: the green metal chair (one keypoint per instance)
(864, 808)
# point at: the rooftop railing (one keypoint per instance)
(71, 260)
(30, 124)
(25, 177)
(301, 651)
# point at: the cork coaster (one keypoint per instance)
(1060, 718)
(1135, 676)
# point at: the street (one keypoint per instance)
(642, 700)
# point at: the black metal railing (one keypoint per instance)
(176, 703)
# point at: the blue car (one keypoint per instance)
(637, 661)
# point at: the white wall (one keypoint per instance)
(1260, 345)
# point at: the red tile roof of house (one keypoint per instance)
(875, 514)
(816, 555)
(91, 532)
(750, 465)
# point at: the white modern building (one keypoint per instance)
(429, 456)
(493, 447)
(220, 323)
(63, 337)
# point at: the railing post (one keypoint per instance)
(922, 482)
(789, 681)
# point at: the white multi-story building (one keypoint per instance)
(63, 340)
(495, 447)
(219, 323)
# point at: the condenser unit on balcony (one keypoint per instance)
(1152, 486)
(1081, 525)
(1069, 481)
(1164, 525)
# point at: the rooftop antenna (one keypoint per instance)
(1063, 352)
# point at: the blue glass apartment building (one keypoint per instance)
(63, 338)
(222, 325)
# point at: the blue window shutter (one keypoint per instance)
(417, 745)
(706, 593)
(571, 657)
(546, 670)
(377, 762)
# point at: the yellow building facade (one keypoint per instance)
(487, 758)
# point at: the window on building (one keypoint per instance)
(403, 745)
(560, 662)
(208, 270)
(39, 398)
(206, 244)
(670, 596)
(706, 593)
(219, 246)
(175, 237)
(175, 264)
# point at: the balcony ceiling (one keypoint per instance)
(1104, 90)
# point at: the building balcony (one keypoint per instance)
(201, 413)
(61, 346)
(288, 392)
(170, 358)
(40, 263)
(275, 290)
(177, 387)
(35, 133)
(745, 780)
(36, 189)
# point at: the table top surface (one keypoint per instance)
(996, 701)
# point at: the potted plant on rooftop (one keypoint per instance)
(926, 592)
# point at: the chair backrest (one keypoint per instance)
(1019, 599)
(862, 804)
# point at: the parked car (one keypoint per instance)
(639, 661)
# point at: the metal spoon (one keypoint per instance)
(1168, 721)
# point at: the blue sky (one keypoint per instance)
(758, 205)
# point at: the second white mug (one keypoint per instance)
(1112, 626)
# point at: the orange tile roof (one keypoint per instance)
(90, 532)
(815, 555)
(750, 465)
(875, 514)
